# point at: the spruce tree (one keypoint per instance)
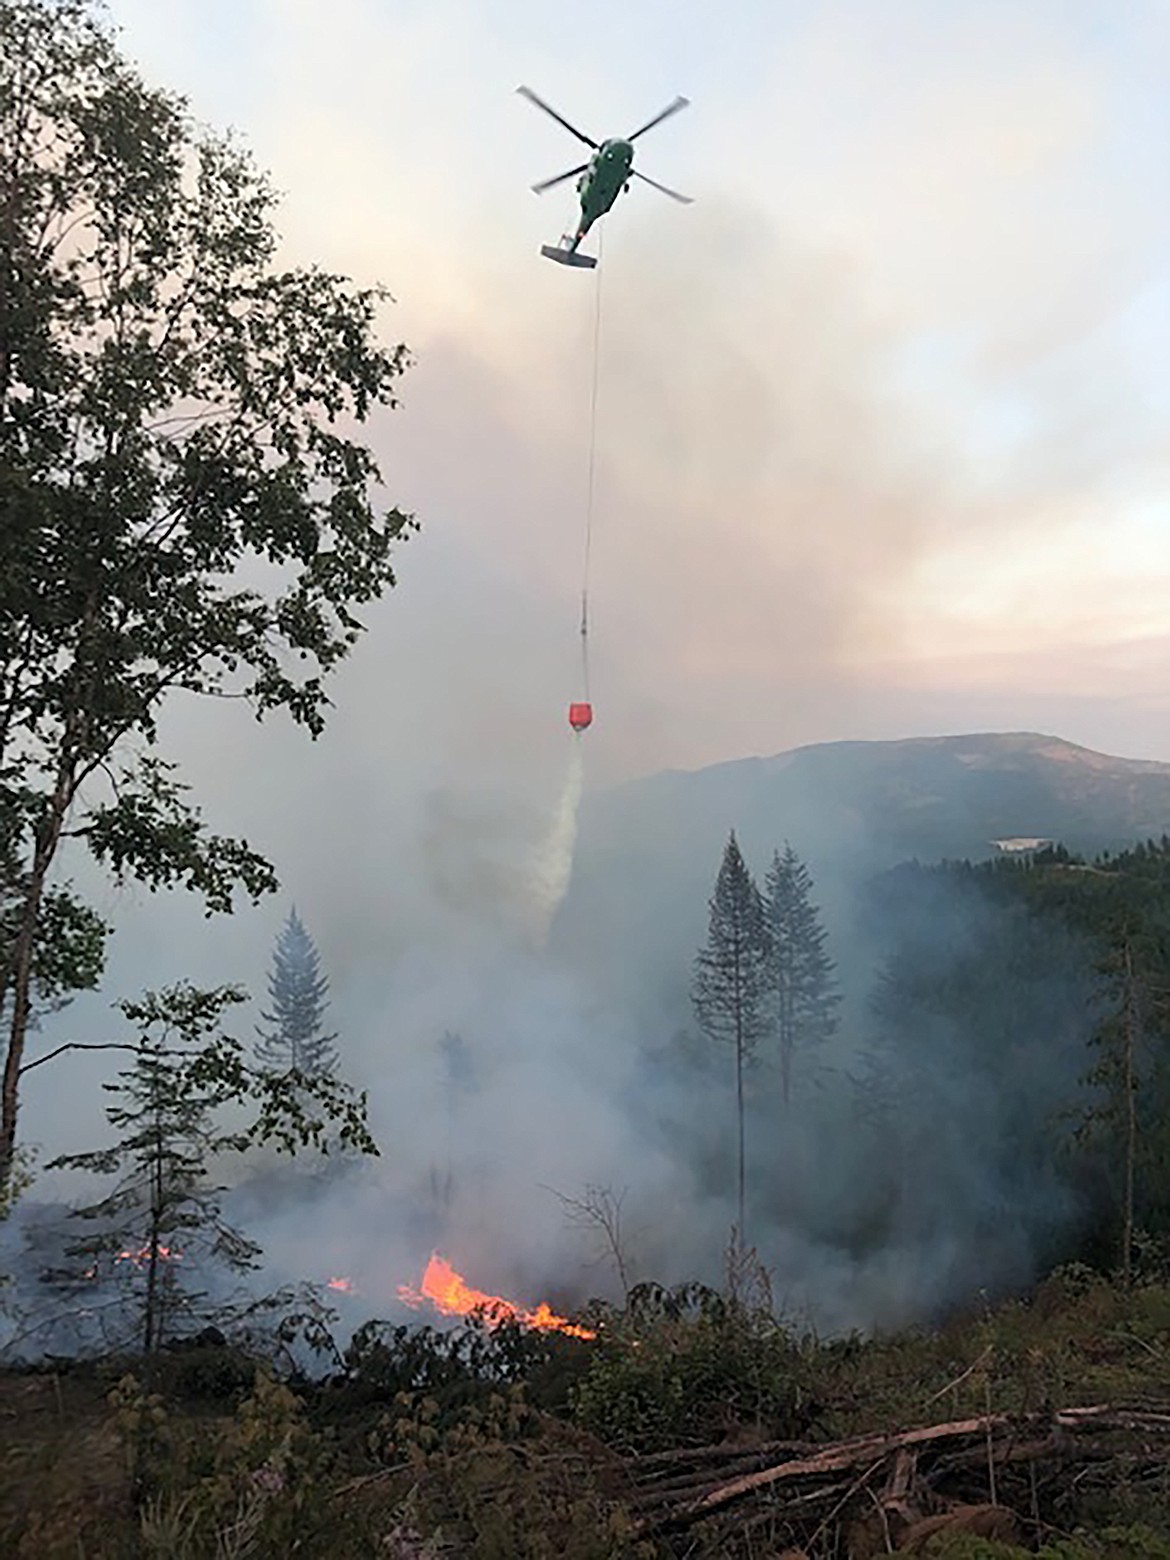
(1127, 1111)
(729, 989)
(459, 1080)
(802, 990)
(159, 1229)
(160, 1223)
(297, 990)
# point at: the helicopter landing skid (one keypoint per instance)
(567, 256)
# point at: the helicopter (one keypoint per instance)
(601, 179)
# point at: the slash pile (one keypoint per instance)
(997, 1474)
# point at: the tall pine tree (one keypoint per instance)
(730, 985)
(802, 990)
(296, 989)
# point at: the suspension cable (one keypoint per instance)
(590, 484)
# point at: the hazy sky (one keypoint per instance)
(883, 416)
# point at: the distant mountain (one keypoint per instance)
(648, 851)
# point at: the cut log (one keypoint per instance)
(997, 1522)
(845, 1454)
(671, 1491)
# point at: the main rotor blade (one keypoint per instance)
(687, 200)
(540, 103)
(679, 102)
(539, 189)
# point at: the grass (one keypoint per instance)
(513, 1450)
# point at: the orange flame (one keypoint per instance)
(454, 1296)
(342, 1285)
(142, 1256)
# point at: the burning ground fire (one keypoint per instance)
(142, 1256)
(453, 1296)
(446, 1290)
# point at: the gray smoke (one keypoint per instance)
(583, 1069)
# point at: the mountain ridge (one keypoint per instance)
(1045, 742)
(648, 850)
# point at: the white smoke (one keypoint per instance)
(551, 863)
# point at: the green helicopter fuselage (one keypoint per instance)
(607, 175)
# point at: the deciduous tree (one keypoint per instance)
(183, 506)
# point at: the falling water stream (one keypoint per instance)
(552, 860)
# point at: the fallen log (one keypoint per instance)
(813, 1474)
(704, 1476)
(985, 1521)
(1105, 1416)
(835, 1458)
(716, 1451)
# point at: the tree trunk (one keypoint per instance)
(739, 1109)
(151, 1321)
(1130, 1119)
(18, 971)
(787, 1037)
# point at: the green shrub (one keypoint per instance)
(690, 1367)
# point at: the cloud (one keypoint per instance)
(893, 327)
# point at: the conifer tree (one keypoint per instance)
(1122, 903)
(161, 1222)
(802, 990)
(729, 989)
(297, 991)
(458, 1081)
(1128, 1077)
(159, 1229)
